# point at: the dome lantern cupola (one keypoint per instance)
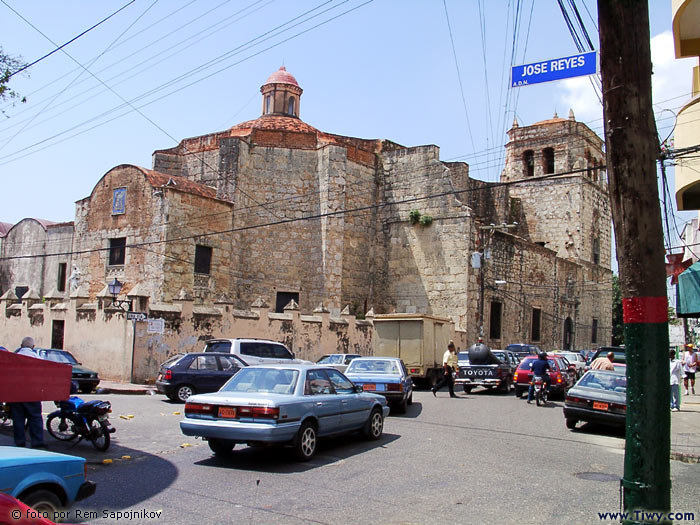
(280, 94)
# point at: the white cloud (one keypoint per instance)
(671, 83)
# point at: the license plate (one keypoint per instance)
(227, 412)
(600, 406)
(369, 387)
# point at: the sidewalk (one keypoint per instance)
(685, 430)
(113, 387)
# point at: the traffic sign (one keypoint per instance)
(554, 69)
(136, 316)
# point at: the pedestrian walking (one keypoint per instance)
(28, 411)
(690, 366)
(449, 363)
(676, 368)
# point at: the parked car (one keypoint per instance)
(254, 351)
(557, 375)
(46, 481)
(87, 379)
(292, 404)
(523, 349)
(386, 376)
(338, 361)
(600, 396)
(574, 358)
(184, 375)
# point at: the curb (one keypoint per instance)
(685, 458)
(127, 391)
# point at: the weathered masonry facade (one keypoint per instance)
(274, 208)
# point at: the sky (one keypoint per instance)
(413, 72)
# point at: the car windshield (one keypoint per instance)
(601, 380)
(264, 380)
(334, 359)
(372, 366)
(526, 364)
(218, 346)
(58, 356)
(501, 356)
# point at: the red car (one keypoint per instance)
(558, 376)
(14, 512)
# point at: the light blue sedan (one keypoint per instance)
(386, 376)
(283, 404)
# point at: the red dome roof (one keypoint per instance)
(282, 77)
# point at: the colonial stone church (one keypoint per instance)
(278, 209)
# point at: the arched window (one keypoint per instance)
(529, 162)
(548, 160)
(290, 106)
(268, 104)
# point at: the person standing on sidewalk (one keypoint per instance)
(676, 367)
(690, 366)
(449, 364)
(28, 411)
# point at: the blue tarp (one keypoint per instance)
(688, 292)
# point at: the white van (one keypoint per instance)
(254, 351)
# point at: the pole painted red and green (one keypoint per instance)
(631, 148)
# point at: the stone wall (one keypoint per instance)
(428, 265)
(121, 350)
(29, 238)
(536, 278)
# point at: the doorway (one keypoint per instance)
(57, 334)
(568, 333)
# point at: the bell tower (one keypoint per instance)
(281, 94)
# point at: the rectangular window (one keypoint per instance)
(202, 259)
(117, 251)
(495, 320)
(536, 324)
(283, 299)
(61, 284)
(594, 331)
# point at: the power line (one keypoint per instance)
(58, 48)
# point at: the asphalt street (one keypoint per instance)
(481, 458)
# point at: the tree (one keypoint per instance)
(618, 336)
(8, 66)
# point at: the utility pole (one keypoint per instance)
(632, 149)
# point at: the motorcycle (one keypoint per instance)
(540, 391)
(86, 419)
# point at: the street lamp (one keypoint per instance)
(114, 288)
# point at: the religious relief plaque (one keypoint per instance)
(119, 201)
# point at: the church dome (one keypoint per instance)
(281, 76)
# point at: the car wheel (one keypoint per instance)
(85, 389)
(183, 392)
(410, 399)
(43, 501)
(467, 389)
(221, 447)
(518, 393)
(375, 424)
(571, 423)
(305, 444)
(505, 386)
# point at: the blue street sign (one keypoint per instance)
(555, 69)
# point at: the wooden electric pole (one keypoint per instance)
(632, 149)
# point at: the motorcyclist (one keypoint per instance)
(539, 367)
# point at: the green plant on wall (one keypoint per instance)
(414, 216)
(425, 220)
(417, 218)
